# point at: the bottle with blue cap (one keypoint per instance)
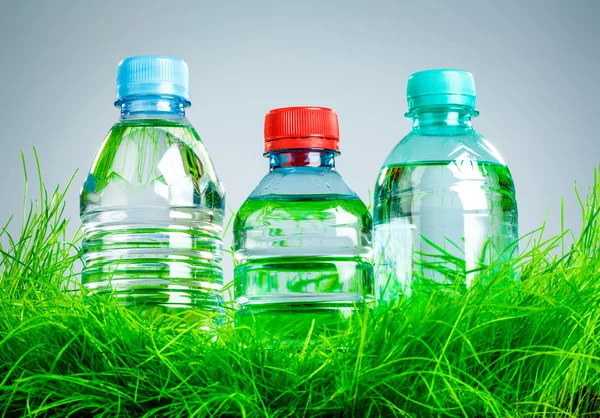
(152, 206)
(444, 203)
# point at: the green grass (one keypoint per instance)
(532, 351)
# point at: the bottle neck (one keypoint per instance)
(302, 158)
(430, 119)
(154, 107)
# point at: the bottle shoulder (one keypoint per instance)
(419, 147)
(154, 142)
(305, 192)
(162, 160)
(303, 181)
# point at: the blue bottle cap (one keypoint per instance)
(152, 75)
(440, 87)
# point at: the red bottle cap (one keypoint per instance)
(301, 127)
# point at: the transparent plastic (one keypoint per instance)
(152, 212)
(444, 202)
(302, 242)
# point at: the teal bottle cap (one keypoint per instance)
(440, 87)
(152, 75)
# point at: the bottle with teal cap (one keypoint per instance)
(444, 204)
(152, 206)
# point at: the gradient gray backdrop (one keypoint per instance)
(536, 65)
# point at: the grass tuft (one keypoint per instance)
(533, 350)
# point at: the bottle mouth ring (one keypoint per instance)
(442, 99)
(141, 96)
(151, 89)
(412, 111)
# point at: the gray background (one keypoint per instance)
(536, 65)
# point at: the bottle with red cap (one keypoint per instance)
(302, 239)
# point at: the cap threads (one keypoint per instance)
(440, 87)
(301, 127)
(152, 74)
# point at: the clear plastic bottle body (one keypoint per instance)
(152, 212)
(302, 243)
(444, 203)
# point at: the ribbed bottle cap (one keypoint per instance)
(301, 127)
(440, 87)
(152, 75)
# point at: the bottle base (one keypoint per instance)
(297, 322)
(152, 299)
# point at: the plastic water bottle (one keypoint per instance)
(445, 200)
(152, 206)
(302, 239)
